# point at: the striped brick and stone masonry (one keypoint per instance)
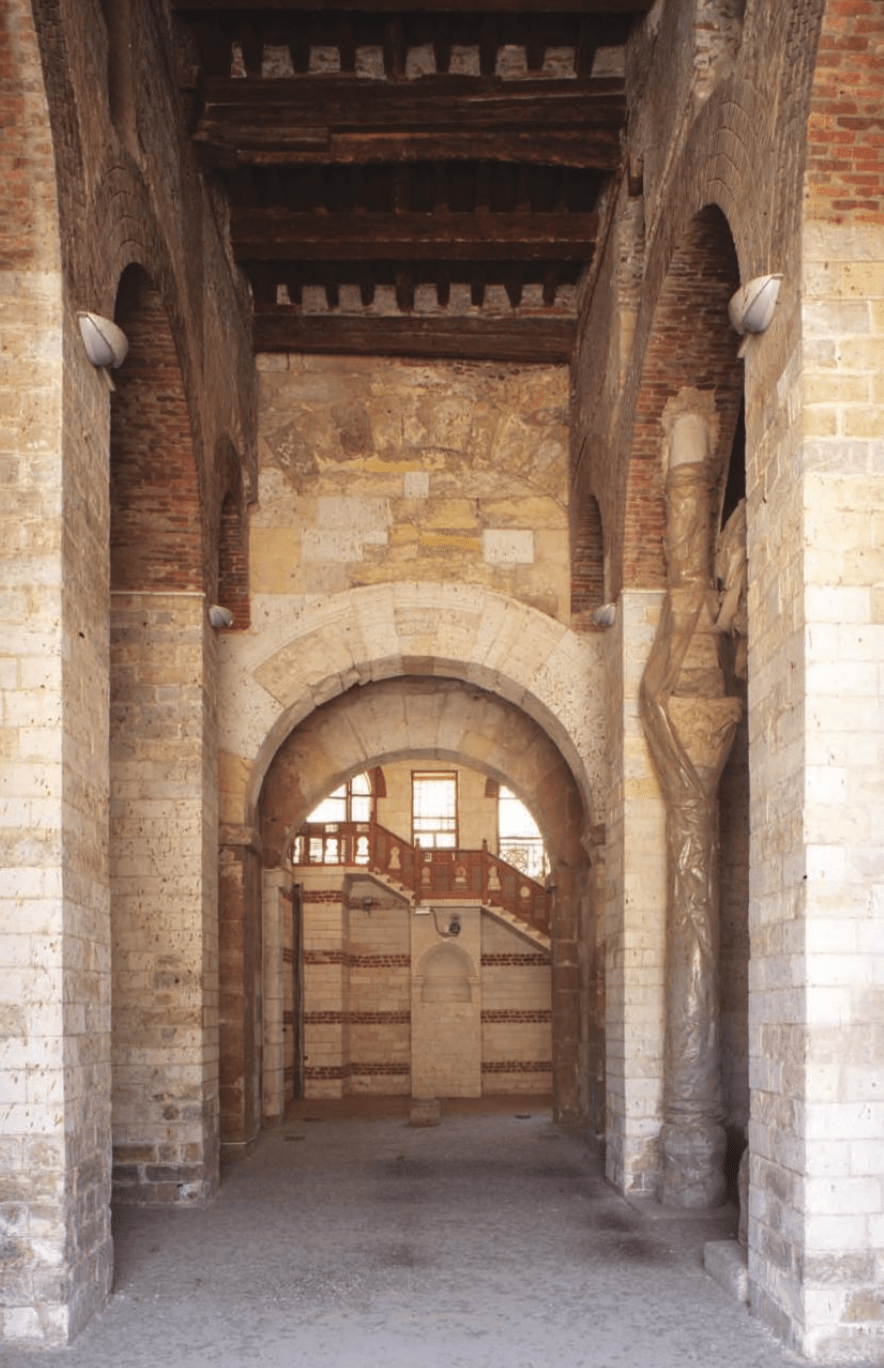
(516, 1013)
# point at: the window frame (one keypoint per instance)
(436, 776)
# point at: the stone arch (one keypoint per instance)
(434, 716)
(691, 346)
(428, 718)
(282, 673)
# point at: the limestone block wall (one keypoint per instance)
(376, 470)
(386, 1012)
(54, 950)
(163, 899)
(817, 1123)
(446, 1008)
(734, 943)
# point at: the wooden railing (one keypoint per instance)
(429, 875)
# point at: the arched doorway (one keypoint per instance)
(435, 721)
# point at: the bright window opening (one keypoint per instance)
(350, 803)
(434, 809)
(519, 841)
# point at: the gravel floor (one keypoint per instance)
(351, 1240)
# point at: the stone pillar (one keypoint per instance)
(164, 833)
(277, 911)
(240, 971)
(690, 725)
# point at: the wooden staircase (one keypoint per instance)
(431, 876)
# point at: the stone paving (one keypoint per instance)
(350, 1239)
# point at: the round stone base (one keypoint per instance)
(425, 1111)
(693, 1166)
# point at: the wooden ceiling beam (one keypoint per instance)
(346, 119)
(601, 7)
(543, 340)
(346, 101)
(279, 234)
(597, 149)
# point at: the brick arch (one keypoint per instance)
(156, 516)
(273, 679)
(232, 589)
(691, 345)
(587, 561)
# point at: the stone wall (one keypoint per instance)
(55, 954)
(78, 211)
(375, 471)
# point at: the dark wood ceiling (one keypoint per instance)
(410, 181)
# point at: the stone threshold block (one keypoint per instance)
(726, 1262)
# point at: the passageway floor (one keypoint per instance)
(350, 1239)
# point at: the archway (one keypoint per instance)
(442, 720)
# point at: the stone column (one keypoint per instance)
(689, 724)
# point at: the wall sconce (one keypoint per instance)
(105, 343)
(220, 617)
(751, 308)
(367, 904)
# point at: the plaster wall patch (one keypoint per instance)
(416, 484)
(508, 546)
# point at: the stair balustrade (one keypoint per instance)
(428, 875)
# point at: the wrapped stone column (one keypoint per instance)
(690, 724)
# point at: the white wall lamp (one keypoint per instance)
(751, 308)
(105, 343)
(220, 617)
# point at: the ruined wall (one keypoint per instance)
(375, 471)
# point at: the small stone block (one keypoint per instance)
(425, 1111)
(727, 1263)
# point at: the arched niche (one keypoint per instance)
(162, 878)
(691, 347)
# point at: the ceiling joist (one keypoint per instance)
(275, 234)
(547, 340)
